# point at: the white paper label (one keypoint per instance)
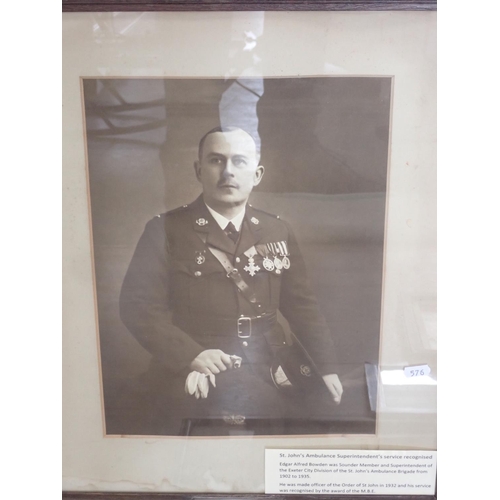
(417, 371)
(351, 472)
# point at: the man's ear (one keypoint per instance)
(259, 173)
(197, 169)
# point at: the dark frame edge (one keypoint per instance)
(239, 5)
(99, 495)
(246, 5)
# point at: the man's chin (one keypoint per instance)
(229, 200)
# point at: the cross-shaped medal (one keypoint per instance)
(251, 268)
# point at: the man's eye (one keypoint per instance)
(215, 161)
(239, 162)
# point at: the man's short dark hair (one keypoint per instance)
(223, 129)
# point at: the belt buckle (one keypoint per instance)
(244, 332)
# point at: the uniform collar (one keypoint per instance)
(223, 221)
(204, 222)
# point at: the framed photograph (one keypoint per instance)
(249, 205)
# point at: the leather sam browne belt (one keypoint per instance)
(243, 327)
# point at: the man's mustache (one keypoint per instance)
(227, 183)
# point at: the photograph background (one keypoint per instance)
(324, 143)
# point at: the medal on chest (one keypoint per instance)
(277, 263)
(268, 264)
(283, 250)
(277, 257)
(252, 268)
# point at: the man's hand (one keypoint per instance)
(211, 361)
(205, 366)
(332, 381)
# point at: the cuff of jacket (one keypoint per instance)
(328, 368)
(178, 362)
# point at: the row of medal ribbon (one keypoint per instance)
(275, 258)
(280, 255)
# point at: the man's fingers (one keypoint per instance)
(335, 393)
(213, 369)
(226, 359)
(338, 388)
(335, 381)
(334, 385)
(235, 361)
(211, 361)
(220, 365)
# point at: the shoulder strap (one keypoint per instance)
(235, 275)
(238, 280)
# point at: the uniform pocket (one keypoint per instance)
(191, 282)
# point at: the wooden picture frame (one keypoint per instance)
(247, 5)
(98, 6)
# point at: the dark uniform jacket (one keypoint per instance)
(177, 300)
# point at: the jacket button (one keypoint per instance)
(197, 274)
(237, 259)
(244, 343)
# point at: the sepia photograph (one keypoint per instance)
(238, 230)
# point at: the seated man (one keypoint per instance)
(202, 294)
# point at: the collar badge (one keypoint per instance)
(305, 370)
(200, 258)
(201, 221)
(254, 220)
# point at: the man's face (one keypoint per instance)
(228, 168)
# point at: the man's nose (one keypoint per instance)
(228, 170)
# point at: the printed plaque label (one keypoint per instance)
(350, 472)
